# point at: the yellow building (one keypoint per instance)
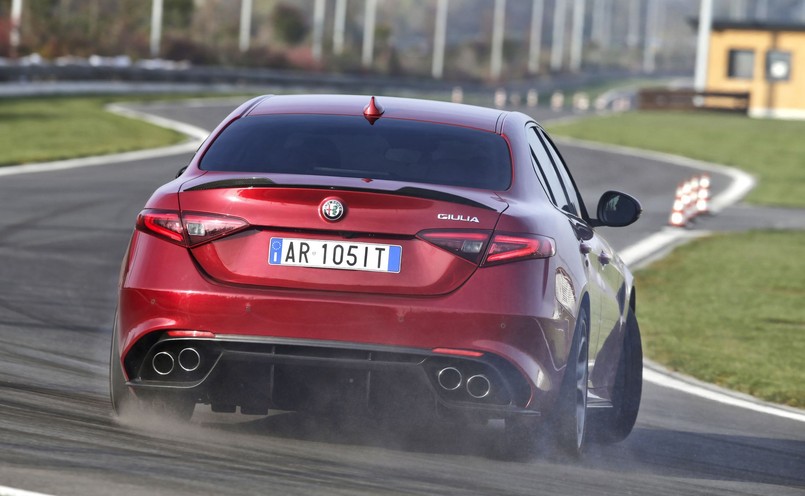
(765, 60)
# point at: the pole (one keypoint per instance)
(650, 39)
(439, 39)
(606, 24)
(597, 30)
(535, 43)
(703, 44)
(496, 64)
(602, 19)
(558, 38)
(318, 28)
(338, 29)
(369, 33)
(245, 25)
(633, 29)
(14, 32)
(156, 27)
(577, 37)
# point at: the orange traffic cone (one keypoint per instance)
(678, 211)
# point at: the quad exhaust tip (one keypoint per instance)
(449, 378)
(189, 359)
(478, 386)
(163, 363)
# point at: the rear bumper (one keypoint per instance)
(256, 374)
(521, 335)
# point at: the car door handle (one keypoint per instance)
(604, 258)
(585, 249)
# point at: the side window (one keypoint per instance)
(543, 164)
(561, 168)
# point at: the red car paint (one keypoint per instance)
(476, 288)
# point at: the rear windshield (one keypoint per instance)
(349, 146)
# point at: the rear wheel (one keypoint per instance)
(567, 424)
(615, 424)
(570, 415)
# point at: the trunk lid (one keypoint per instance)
(372, 248)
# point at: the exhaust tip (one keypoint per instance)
(478, 386)
(449, 378)
(189, 359)
(162, 363)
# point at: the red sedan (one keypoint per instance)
(334, 253)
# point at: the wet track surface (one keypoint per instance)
(62, 236)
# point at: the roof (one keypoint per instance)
(394, 108)
(751, 25)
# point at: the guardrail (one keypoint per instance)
(665, 99)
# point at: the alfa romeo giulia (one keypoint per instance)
(322, 253)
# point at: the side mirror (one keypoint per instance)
(181, 171)
(616, 209)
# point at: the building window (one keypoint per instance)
(778, 65)
(741, 64)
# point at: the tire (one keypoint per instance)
(566, 426)
(569, 419)
(615, 424)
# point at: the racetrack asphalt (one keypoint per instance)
(62, 236)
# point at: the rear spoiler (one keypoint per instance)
(414, 192)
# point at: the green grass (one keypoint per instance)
(772, 150)
(43, 129)
(728, 309)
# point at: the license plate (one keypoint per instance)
(335, 255)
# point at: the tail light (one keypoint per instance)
(512, 247)
(166, 225)
(469, 245)
(188, 229)
(503, 248)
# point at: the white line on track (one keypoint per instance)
(10, 491)
(740, 185)
(658, 375)
(99, 160)
(637, 254)
(195, 134)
